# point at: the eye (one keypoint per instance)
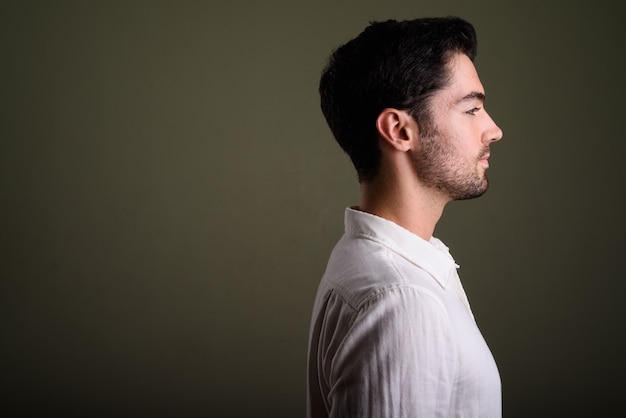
(473, 111)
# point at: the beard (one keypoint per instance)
(439, 165)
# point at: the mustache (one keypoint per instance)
(485, 152)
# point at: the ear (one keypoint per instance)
(397, 128)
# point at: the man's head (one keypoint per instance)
(391, 64)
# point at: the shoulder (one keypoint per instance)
(397, 322)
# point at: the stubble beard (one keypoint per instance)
(439, 166)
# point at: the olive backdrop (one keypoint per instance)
(170, 192)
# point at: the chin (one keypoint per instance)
(471, 191)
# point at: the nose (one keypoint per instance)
(493, 133)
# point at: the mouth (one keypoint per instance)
(485, 159)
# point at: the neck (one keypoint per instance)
(403, 200)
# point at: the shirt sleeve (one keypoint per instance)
(394, 356)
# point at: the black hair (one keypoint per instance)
(391, 64)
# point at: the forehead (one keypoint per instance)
(463, 79)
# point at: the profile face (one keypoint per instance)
(454, 153)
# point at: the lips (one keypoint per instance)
(485, 159)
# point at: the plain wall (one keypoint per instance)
(170, 193)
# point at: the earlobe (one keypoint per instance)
(396, 128)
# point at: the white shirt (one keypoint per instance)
(392, 333)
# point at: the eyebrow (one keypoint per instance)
(473, 95)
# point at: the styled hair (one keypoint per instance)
(391, 64)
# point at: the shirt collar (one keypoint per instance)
(432, 256)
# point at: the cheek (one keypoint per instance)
(471, 136)
(464, 128)
(464, 138)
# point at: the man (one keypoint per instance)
(392, 333)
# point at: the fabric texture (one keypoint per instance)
(392, 333)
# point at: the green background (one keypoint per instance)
(170, 193)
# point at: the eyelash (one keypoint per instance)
(473, 111)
